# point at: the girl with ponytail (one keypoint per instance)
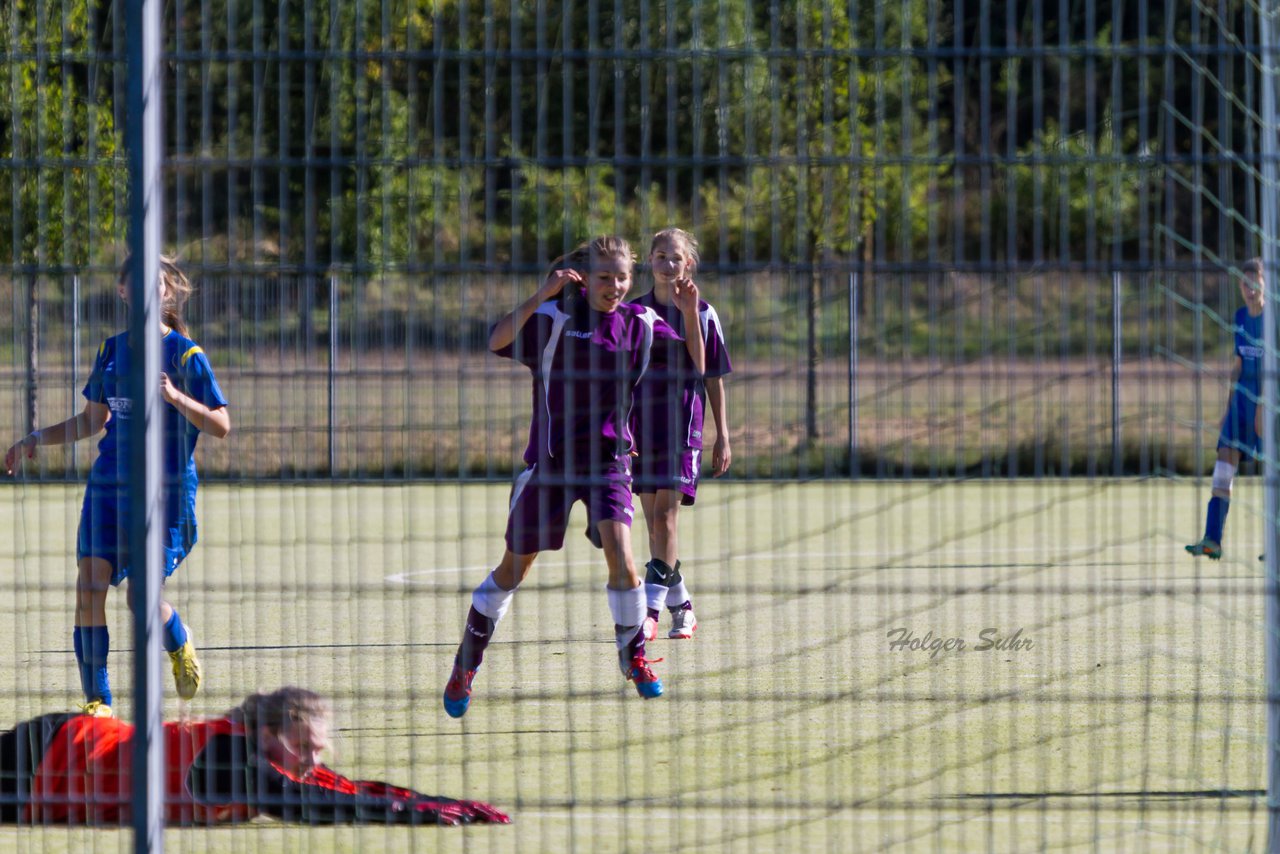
(193, 404)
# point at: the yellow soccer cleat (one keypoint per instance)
(186, 670)
(97, 709)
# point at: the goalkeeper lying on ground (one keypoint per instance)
(260, 758)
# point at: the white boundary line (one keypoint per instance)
(1015, 814)
(407, 578)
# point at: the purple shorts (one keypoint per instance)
(541, 500)
(676, 470)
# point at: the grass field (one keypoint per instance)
(1134, 720)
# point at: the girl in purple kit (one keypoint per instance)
(669, 416)
(587, 354)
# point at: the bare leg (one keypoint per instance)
(93, 580)
(615, 538)
(626, 604)
(512, 569)
(1219, 504)
(662, 515)
(166, 610)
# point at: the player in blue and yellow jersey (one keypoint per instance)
(193, 404)
(1240, 434)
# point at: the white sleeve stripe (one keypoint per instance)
(711, 320)
(559, 319)
(647, 317)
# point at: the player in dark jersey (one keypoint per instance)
(587, 352)
(261, 758)
(193, 404)
(1241, 424)
(669, 418)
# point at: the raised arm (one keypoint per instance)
(88, 423)
(504, 332)
(684, 293)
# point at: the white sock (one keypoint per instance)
(656, 594)
(678, 594)
(491, 600)
(627, 608)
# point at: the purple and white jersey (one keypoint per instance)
(670, 405)
(585, 369)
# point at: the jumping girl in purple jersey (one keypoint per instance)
(587, 355)
(669, 418)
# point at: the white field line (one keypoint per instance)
(1024, 814)
(1142, 550)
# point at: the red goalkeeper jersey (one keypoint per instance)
(86, 774)
(74, 769)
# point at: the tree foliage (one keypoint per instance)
(424, 135)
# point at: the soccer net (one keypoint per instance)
(978, 278)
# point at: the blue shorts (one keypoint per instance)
(1238, 430)
(104, 530)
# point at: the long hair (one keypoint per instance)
(577, 259)
(680, 237)
(279, 708)
(177, 290)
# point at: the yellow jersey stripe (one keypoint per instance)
(189, 354)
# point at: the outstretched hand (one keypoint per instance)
(451, 812)
(24, 447)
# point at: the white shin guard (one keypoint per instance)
(656, 595)
(1224, 474)
(628, 610)
(677, 595)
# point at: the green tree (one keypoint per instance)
(58, 144)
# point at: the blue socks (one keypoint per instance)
(1216, 518)
(175, 634)
(92, 645)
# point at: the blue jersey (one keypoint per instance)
(1248, 343)
(189, 371)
